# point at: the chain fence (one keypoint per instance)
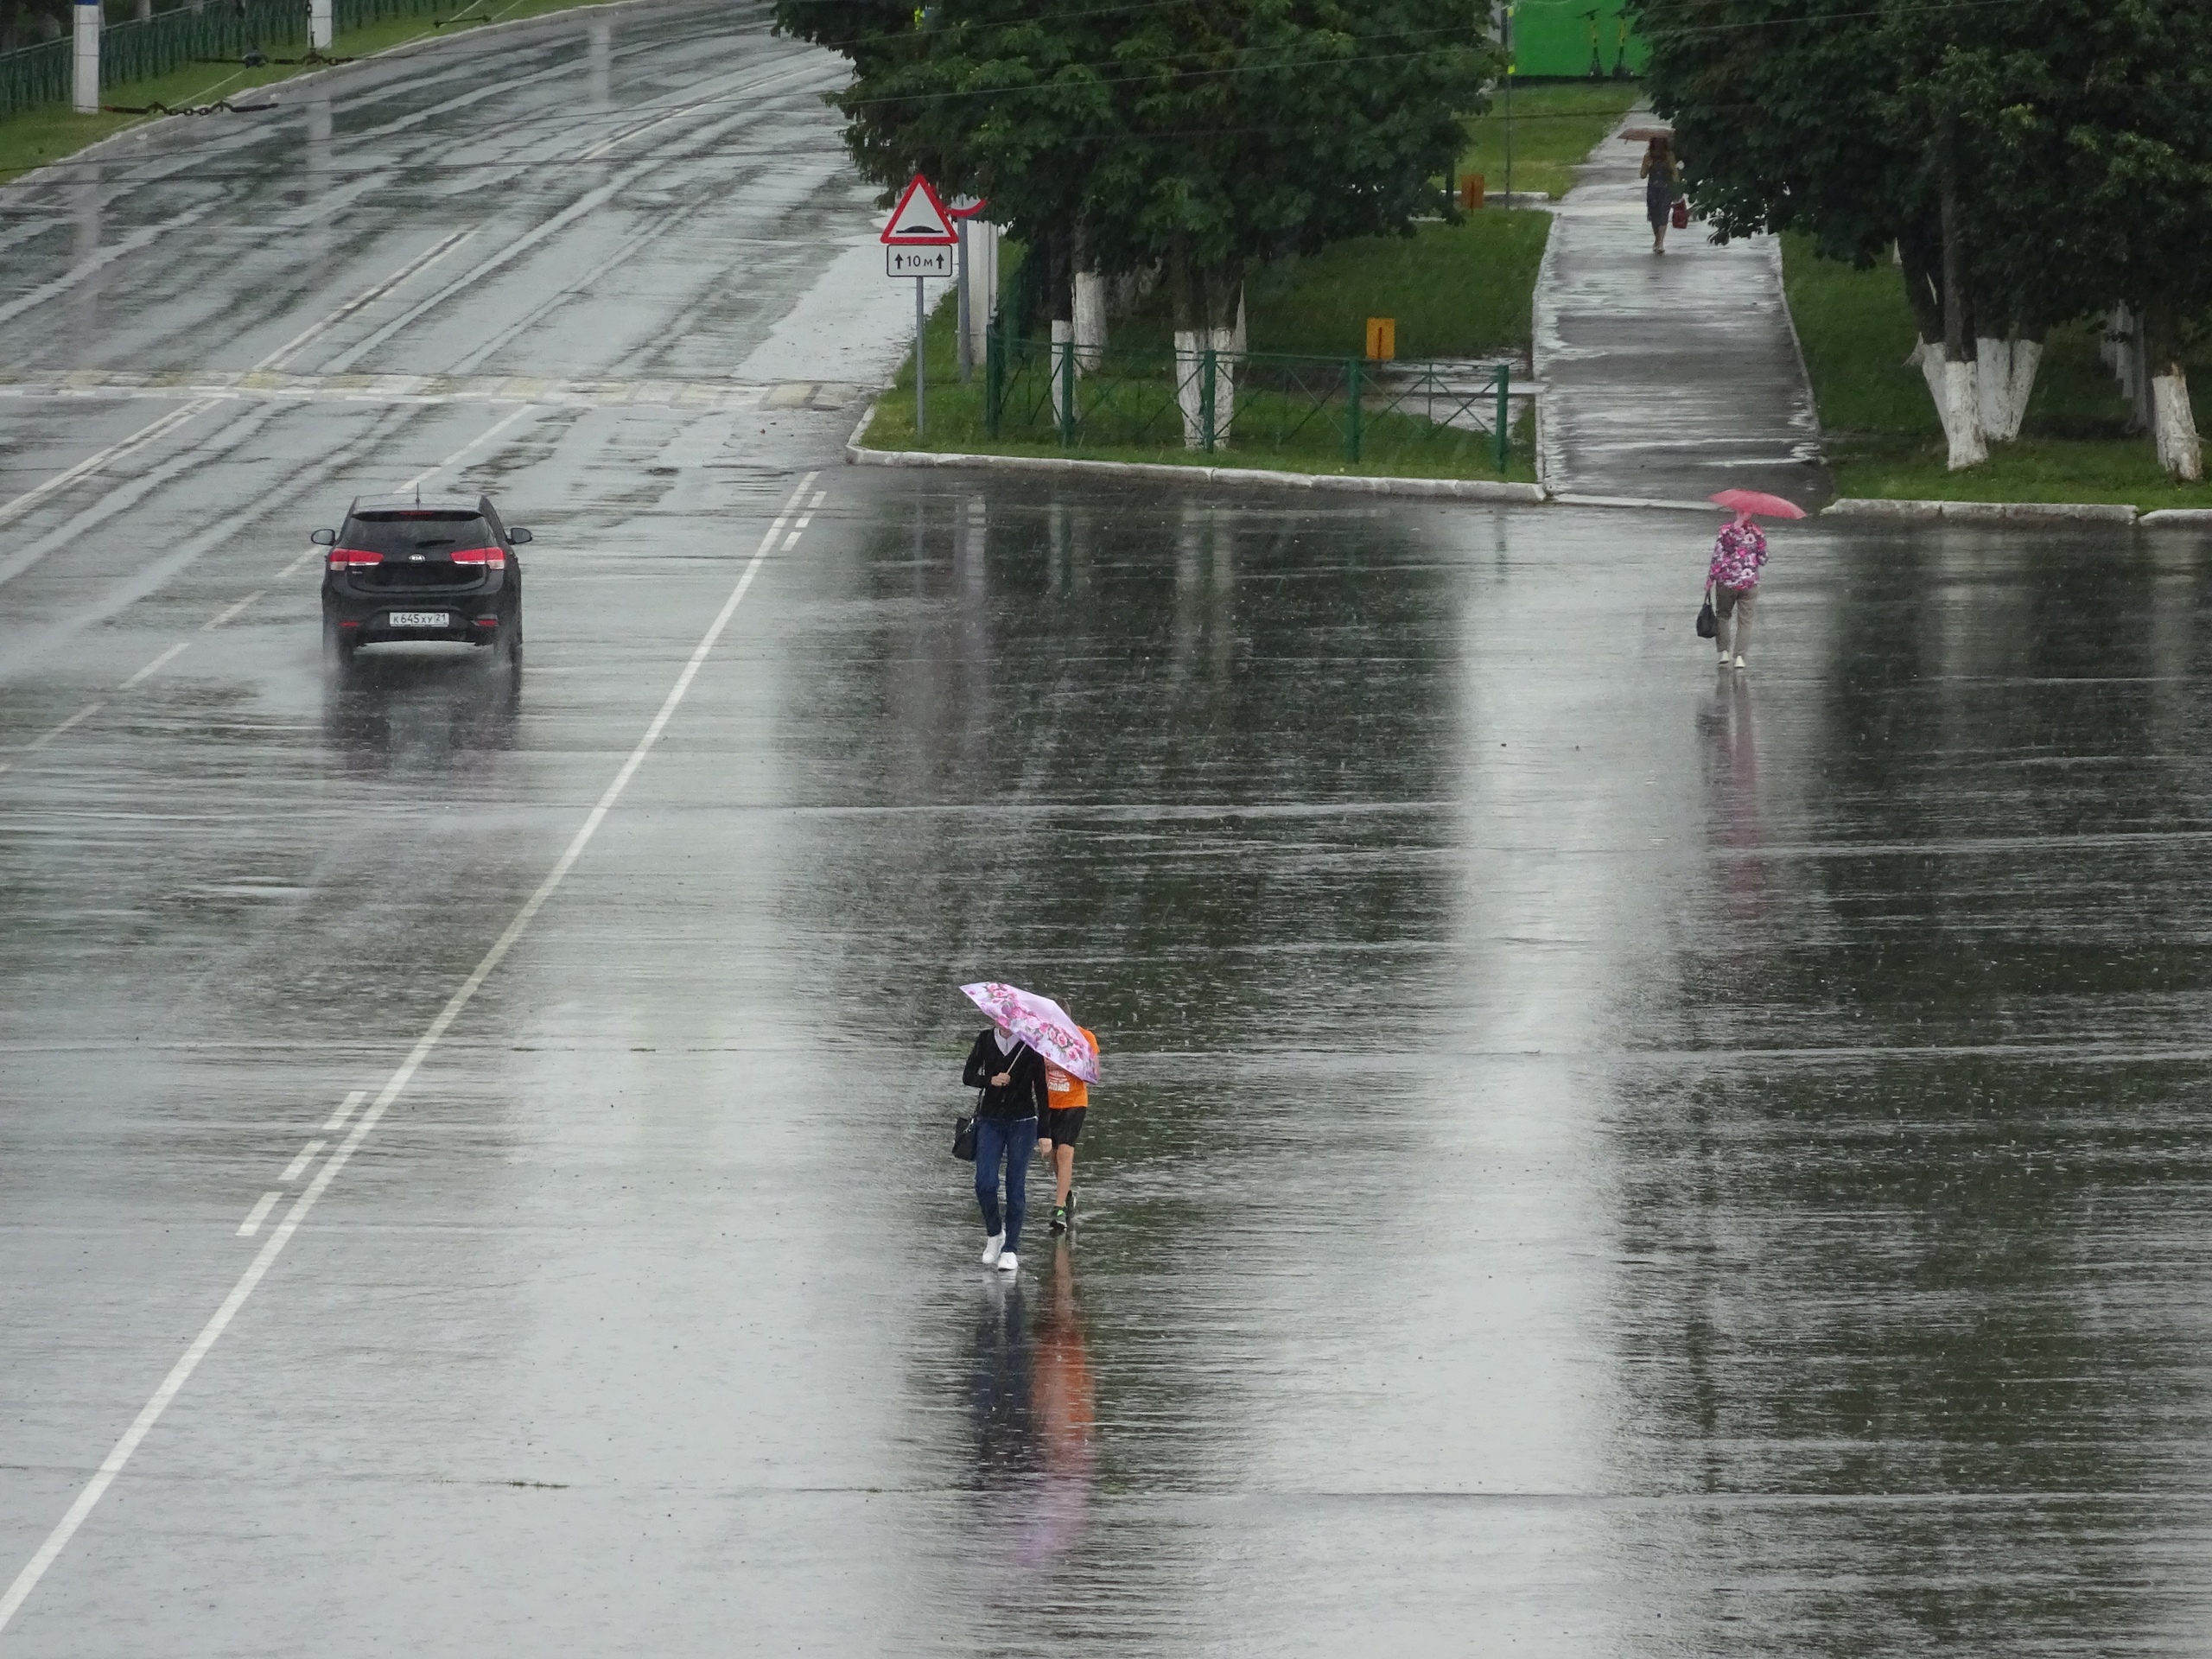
(1040, 392)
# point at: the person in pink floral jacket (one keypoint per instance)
(1739, 556)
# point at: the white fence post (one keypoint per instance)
(86, 87)
(319, 29)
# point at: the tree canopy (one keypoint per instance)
(1194, 136)
(2030, 162)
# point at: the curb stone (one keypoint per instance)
(2099, 512)
(2179, 518)
(1465, 489)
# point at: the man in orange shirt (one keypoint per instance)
(1066, 1099)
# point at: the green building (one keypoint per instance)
(1573, 40)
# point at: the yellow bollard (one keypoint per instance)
(1382, 338)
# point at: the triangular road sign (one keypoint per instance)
(919, 221)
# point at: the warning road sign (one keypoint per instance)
(919, 221)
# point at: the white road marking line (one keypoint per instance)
(306, 1156)
(258, 1214)
(177, 417)
(290, 569)
(790, 541)
(138, 439)
(210, 627)
(71, 281)
(337, 1118)
(482, 437)
(814, 506)
(437, 251)
(181, 646)
(181, 1373)
(45, 738)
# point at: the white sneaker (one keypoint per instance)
(992, 1248)
(1739, 662)
(1009, 1262)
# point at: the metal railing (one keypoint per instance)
(1259, 401)
(219, 31)
(35, 75)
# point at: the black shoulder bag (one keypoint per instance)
(1707, 624)
(964, 1127)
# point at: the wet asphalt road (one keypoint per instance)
(1593, 1160)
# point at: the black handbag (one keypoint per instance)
(963, 1137)
(1708, 624)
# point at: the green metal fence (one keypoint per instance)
(35, 75)
(220, 31)
(1256, 401)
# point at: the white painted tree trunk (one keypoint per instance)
(1952, 387)
(1190, 344)
(2173, 423)
(1961, 413)
(1090, 320)
(2004, 375)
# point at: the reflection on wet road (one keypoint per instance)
(1594, 1158)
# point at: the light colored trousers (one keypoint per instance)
(1737, 603)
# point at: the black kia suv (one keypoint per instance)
(431, 567)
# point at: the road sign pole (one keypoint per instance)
(921, 369)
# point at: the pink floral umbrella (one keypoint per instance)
(1038, 1022)
(1759, 504)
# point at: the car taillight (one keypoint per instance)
(492, 557)
(340, 557)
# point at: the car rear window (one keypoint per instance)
(428, 530)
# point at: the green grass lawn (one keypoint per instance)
(1456, 291)
(1553, 127)
(1879, 424)
(35, 137)
(1271, 431)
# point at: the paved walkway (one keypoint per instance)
(1665, 377)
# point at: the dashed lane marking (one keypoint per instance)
(337, 1118)
(155, 666)
(306, 1156)
(258, 1214)
(150, 1413)
(215, 622)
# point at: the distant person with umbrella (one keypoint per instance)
(1008, 1064)
(1661, 174)
(1731, 580)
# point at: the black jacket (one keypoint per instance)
(1023, 1097)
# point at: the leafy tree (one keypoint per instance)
(1195, 138)
(2029, 163)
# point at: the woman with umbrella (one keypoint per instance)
(1739, 556)
(1661, 173)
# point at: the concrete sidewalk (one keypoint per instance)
(1665, 377)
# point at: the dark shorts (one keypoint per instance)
(1063, 1128)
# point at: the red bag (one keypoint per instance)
(1681, 217)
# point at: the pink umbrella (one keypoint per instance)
(1038, 1022)
(1752, 501)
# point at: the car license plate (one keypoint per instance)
(418, 620)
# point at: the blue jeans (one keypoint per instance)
(1015, 1141)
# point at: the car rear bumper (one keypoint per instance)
(385, 623)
